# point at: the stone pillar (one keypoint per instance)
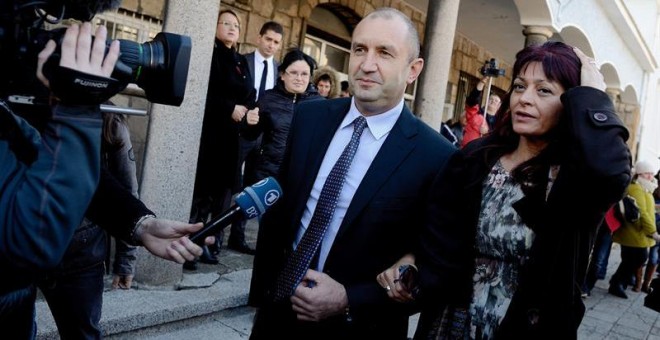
(173, 140)
(613, 93)
(438, 45)
(536, 35)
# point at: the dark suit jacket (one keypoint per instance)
(380, 226)
(250, 61)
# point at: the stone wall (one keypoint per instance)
(292, 15)
(469, 57)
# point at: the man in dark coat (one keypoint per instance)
(379, 207)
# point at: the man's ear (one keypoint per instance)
(416, 67)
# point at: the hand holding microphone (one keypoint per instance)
(253, 201)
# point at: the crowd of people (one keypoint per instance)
(381, 217)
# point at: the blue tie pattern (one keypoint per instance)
(299, 261)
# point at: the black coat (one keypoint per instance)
(275, 115)
(594, 173)
(230, 84)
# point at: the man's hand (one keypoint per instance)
(482, 83)
(318, 297)
(252, 117)
(80, 54)
(168, 239)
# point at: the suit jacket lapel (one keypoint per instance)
(250, 60)
(320, 133)
(394, 151)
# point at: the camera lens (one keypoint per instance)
(159, 67)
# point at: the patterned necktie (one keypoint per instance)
(262, 85)
(299, 261)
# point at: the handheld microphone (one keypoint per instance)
(253, 201)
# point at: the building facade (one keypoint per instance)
(621, 35)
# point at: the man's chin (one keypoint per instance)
(365, 96)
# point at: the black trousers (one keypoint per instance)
(248, 155)
(631, 259)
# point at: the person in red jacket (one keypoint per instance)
(476, 125)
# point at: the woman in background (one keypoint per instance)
(276, 110)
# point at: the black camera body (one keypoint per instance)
(490, 69)
(159, 67)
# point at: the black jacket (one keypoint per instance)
(230, 84)
(594, 173)
(275, 114)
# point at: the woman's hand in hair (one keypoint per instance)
(590, 74)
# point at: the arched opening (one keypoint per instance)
(328, 36)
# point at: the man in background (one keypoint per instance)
(344, 89)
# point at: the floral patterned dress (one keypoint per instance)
(502, 244)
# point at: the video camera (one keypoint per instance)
(159, 67)
(490, 69)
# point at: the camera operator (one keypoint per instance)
(49, 176)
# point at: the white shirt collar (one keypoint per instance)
(259, 59)
(379, 125)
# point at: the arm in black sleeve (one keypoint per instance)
(47, 180)
(597, 141)
(446, 254)
(474, 98)
(115, 209)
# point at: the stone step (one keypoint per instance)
(228, 324)
(129, 312)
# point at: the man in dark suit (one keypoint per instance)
(263, 68)
(378, 211)
(268, 44)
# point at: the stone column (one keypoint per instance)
(536, 35)
(173, 140)
(438, 45)
(613, 93)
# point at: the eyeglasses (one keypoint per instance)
(296, 74)
(229, 24)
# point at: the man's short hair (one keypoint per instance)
(271, 26)
(344, 85)
(413, 36)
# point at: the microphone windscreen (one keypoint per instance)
(258, 197)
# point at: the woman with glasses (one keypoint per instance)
(230, 94)
(276, 110)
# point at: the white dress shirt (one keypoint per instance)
(373, 137)
(259, 69)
